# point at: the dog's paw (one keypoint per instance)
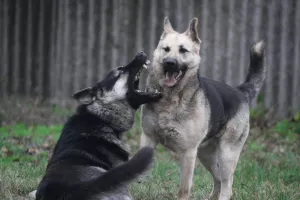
(32, 194)
(143, 178)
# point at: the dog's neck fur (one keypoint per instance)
(119, 115)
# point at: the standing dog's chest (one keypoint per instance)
(175, 122)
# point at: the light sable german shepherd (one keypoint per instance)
(198, 116)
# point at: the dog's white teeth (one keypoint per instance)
(145, 66)
(156, 91)
(179, 74)
(147, 62)
(167, 75)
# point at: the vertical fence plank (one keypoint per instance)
(216, 67)
(78, 48)
(53, 57)
(114, 33)
(204, 39)
(102, 40)
(124, 37)
(178, 16)
(153, 24)
(108, 27)
(190, 10)
(243, 42)
(91, 42)
(59, 50)
(4, 46)
(296, 64)
(282, 95)
(230, 44)
(28, 50)
(40, 52)
(65, 72)
(268, 100)
(132, 29)
(16, 48)
(139, 25)
(257, 20)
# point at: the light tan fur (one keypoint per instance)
(180, 120)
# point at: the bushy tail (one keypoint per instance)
(256, 74)
(118, 176)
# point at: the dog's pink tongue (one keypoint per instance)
(170, 80)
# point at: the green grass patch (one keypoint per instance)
(269, 167)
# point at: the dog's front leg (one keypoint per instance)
(187, 165)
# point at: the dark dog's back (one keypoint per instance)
(88, 161)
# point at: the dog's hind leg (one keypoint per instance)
(187, 166)
(220, 158)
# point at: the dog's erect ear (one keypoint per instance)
(167, 28)
(192, 30)
(84, 96)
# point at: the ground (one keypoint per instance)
(269, 167)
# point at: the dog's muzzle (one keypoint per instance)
(170, 65)
(173, 72)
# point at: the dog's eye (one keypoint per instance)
(183, 50)
(167, 49)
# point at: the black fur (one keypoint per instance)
(83, 145)
(225, 100)
(90, 161)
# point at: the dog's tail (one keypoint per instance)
(256, 74)
(118, 176)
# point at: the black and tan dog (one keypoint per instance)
(90, 160)
(198, 117)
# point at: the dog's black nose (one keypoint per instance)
(171, 62)
(140, 54)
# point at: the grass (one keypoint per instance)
(269, 167)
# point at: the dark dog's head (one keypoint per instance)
(118, 93)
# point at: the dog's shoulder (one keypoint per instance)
(86, 139)
(224, 102)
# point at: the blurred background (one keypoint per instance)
(50, 49)
(53, 48)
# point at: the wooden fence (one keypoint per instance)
(52, 48)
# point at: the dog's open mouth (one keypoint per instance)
(172, 77)
(135, 96)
